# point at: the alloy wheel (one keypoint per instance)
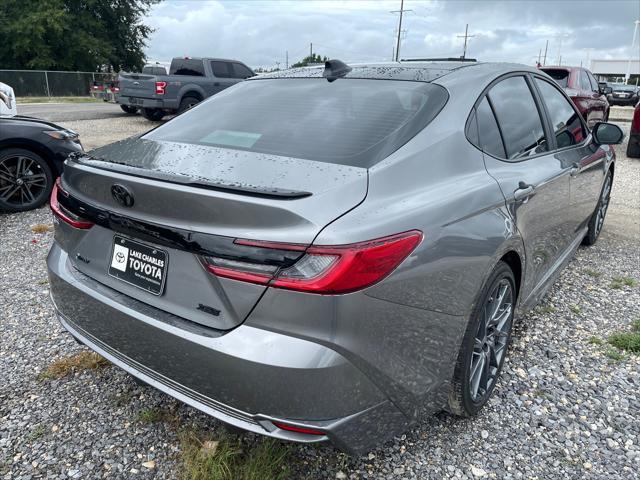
(491, 339)
(22, 181)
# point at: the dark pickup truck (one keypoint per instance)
(190, 81)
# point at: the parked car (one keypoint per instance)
(633, 147)
(32, 152)
(190, 81)
(584, 90)
(623, 94)
(8, 104)
(323, 254)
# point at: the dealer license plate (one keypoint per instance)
(139, 265)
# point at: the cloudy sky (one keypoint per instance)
(259, 32)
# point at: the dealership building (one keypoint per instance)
(616, 70)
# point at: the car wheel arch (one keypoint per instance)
(36, 148)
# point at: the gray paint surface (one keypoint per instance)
(362, 365)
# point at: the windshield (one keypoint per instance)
(349, 121)
(624, 88)
(560, 76)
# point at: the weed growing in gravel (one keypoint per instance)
(595, 341)
(41, 228)
(614, 355)
(575, 309)
(155, 415)
(627, 341)
(592, 273)
(228, 459)
(546, 309)
(619, 282)
(44, 281)
(75, 363)
(36, 433)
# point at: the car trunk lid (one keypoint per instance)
(191, 201)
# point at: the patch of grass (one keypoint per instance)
(41, 228)
(592, 273)
(75, 363)
(619, 282)
(228, 459)
(627, 341)
(154, 415)
(545, 309)
(36, 433)
(575, 309)
(613, 354)
(44, 281)
(595, 341)
(23, 100)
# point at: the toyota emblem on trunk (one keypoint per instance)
(122, 195)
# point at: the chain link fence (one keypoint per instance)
(47, 83)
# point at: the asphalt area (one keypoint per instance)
(566, 406)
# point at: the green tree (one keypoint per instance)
(310, 59)
(86, 35)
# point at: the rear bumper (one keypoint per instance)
(163, 104)
(623, 101)
(248, 377)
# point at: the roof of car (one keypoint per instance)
(427, 71)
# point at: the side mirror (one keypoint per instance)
(607, 134)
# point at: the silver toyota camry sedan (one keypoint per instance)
(327, 253)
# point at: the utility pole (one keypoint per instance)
(311, 51)
(539, 57)
(546, 47)
(286, 56)
(633, 42)
(401, 11)
(465, 36)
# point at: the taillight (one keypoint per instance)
(61, 212)
(160, 86)
(323, 269)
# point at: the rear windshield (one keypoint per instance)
(352, 122)
(186, 66)
(153, 70)
(560, 76)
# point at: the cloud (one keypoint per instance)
(260, 32)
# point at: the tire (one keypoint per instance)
(597, 217)
(186, 103)
(128, 109)
(26, 180)
(153, 114)
(480, 360)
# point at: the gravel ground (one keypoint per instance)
(562, 409)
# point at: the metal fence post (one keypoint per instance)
(46, 79)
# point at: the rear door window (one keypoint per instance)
(187, 66)
(565, 121)
(240, 71)
(354, 122)
(518, 117)
(222, 69)
(585, 84)
(488, 130)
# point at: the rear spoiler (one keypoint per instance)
(244, 189)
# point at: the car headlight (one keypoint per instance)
(62, 134)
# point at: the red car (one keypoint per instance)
(633, 147)
(583, 88)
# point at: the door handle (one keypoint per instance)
(523, 192)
